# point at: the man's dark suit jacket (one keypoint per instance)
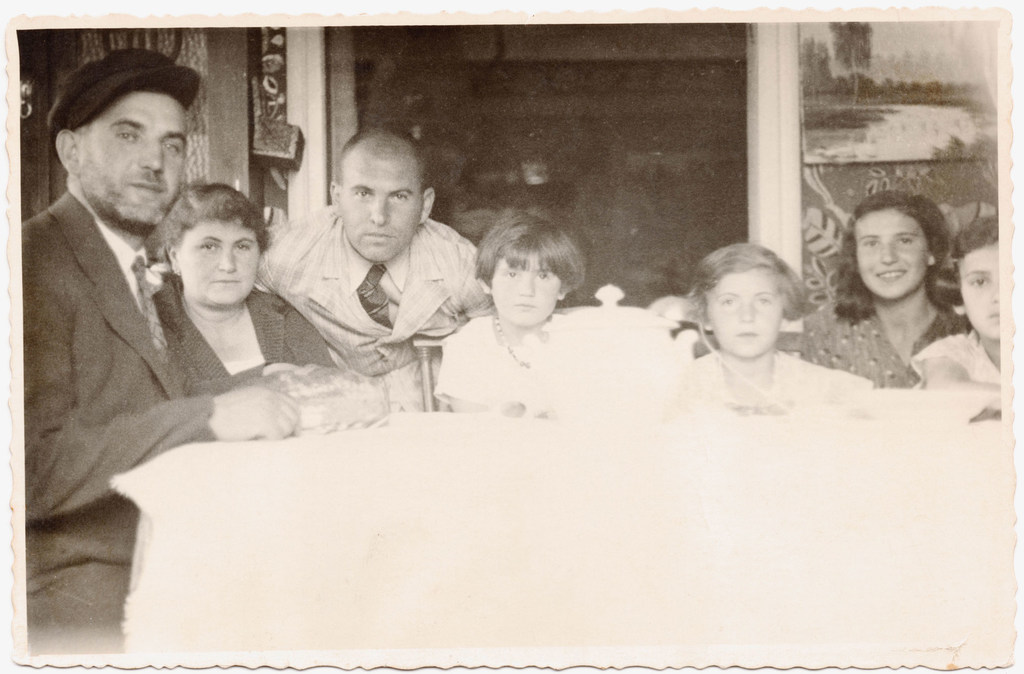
(98, 401)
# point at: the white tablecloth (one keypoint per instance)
(448, 539)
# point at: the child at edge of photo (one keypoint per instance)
(971, 361)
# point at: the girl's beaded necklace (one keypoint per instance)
(502, 342)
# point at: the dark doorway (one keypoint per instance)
(632, 135)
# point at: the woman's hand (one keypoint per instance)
(253, 413)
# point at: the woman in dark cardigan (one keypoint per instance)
(218, 328)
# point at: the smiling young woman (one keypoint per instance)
(891, 300)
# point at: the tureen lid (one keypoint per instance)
(610, 315)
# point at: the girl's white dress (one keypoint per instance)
(476, 368)
(796, 384)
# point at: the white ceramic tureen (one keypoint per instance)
(613, 363)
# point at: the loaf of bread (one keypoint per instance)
(331, 399)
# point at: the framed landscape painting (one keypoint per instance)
(898, 91)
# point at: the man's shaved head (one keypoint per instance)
(386, 144)
(380, 194)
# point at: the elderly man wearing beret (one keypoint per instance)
(101, 395)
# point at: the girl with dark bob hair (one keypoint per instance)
(220, 330)
(895, 291)
(527, 265)
(522, 235)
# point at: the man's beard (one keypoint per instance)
(136, 224)
(139, 228)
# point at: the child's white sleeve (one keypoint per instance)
(463, 375)
(955, 347)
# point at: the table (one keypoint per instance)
(470, 539)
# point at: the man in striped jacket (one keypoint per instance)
(373, 270)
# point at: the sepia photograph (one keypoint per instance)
(655, 338)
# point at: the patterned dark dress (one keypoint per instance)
(863, 349)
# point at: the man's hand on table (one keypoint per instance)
(253, 413)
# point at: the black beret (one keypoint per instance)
(91, 89)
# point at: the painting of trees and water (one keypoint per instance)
(898, 91)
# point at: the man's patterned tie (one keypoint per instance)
(145, 295)
(372, 296)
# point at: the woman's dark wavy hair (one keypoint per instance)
(213, 201)
(854, 301)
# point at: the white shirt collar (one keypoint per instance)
(123, 252)
(358, 266)
(125, 255)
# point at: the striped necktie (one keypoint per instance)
(372, 296)
(145, 296)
